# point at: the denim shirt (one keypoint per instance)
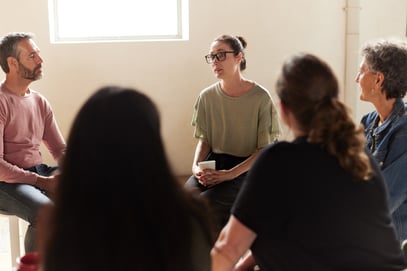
(388, 144)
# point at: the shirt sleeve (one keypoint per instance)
(198, 119)
(53, 138)
(8, 172)
(269, 125)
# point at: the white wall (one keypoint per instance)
(377, 19)
(173, 73)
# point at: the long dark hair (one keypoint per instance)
(309, 88)
(118, 205)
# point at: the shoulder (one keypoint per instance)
(210, 88)
(369, 119)
(37, 95)
(400, 118)
(298, 152)
(40, 100)
(261, 95)
(3, 95)
(283, 150)
(260, 90)
(399, 126)
(209, 93)
(298, 144)
(210, 96)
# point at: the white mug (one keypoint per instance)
(207, 164)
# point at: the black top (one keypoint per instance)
(309, 214)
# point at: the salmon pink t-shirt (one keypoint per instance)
(25, 123)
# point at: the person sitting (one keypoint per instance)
(383, 82)
(234, 119)
(26, 121)
(316, 203)
(118, 205)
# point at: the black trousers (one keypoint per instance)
(221, 196)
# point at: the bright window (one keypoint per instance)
(117, 20)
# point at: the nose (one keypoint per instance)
(38, 59)
(357, 77)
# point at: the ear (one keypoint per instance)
(12, 62)
(379, 79)
(239, 56)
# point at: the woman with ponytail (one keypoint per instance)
(318, 202)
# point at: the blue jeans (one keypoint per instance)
(221, 196)
(24, 201)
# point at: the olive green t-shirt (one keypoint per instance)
(235, 125)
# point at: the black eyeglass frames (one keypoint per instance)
(220, 56)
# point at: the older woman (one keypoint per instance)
(383, 80)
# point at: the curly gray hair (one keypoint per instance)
(390, 58)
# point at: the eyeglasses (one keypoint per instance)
(218, 56)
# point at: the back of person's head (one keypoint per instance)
(309, 89)
(118, 127)
(237, 43)
(8, 47)
(390, 58)
(118, 206)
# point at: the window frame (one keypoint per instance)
(182, 31)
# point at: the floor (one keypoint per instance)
(5, 258)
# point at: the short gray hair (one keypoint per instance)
(8, 47)
(390, 58)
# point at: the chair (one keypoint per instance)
(14, 230)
